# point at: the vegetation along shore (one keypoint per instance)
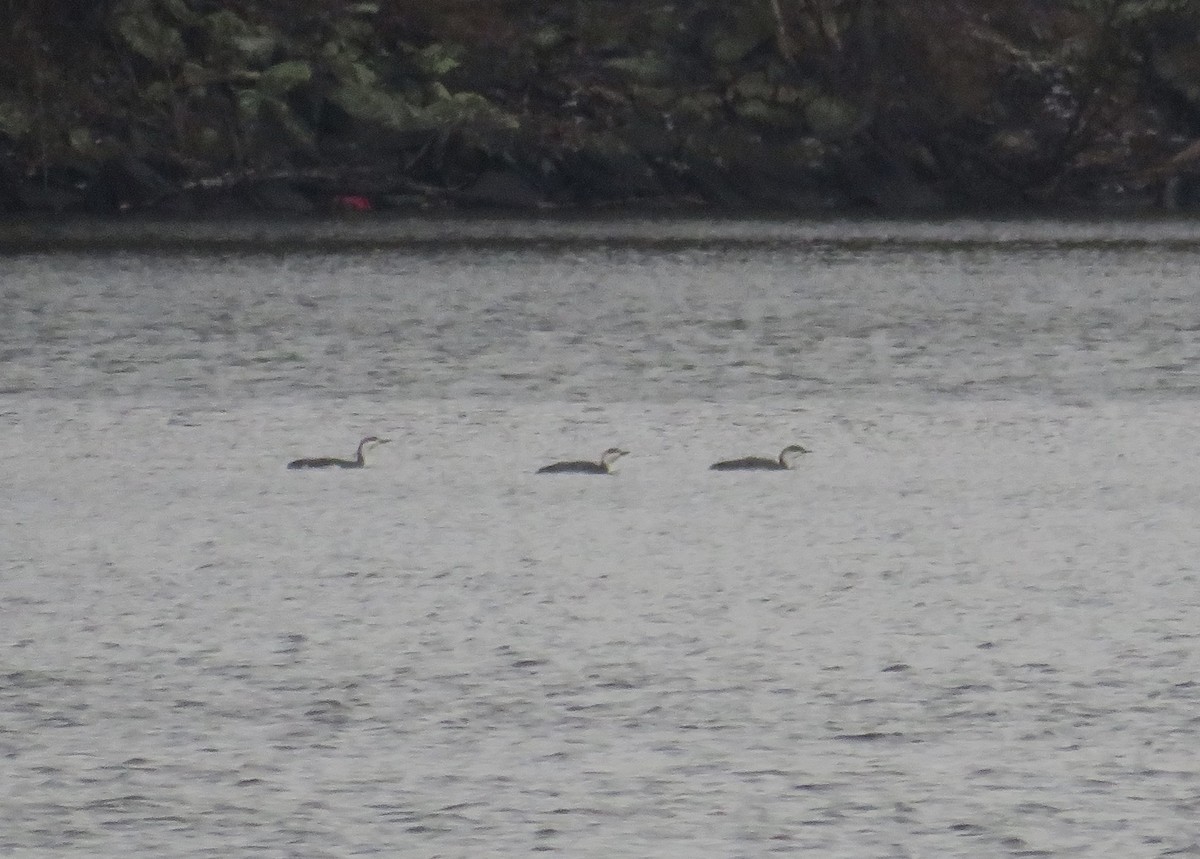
(200, 108)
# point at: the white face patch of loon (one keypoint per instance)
(611, 455)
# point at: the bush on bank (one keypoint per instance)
(295, 106)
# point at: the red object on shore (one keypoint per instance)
(353, 202)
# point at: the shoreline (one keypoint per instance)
(627, 227)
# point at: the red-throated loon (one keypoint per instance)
(761, 463)
(359, 460)
(604, 466)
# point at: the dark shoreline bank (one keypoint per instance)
(192, 109)
(633, 228)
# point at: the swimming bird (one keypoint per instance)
(604, 466)
(761, 463)
(359, 460)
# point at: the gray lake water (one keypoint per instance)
(965, 625)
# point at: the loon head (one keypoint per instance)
(370, 443)
(791, 452)
(611, 455)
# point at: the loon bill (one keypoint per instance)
(582, 466)
(761, 463)
(369, 443)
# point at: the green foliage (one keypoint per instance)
(159, 92)
(368, 104)
(436, 61)
(732, 43)
(452, 110)
(831, 118)
(646, 68)
(15, 120)
(281, 78)
(753, 85)
(699, 107)
(147, 34)
(233, 43)
(256, 83)
(81, 141)
(548, 37)
(769, 114)
(265, 68)
(395, 112)
(1132, 11)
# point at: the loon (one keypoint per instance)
(359, 461)
(760, 463)
(604, 466)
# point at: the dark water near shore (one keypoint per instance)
(965, 626)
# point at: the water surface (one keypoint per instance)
(964, 626)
